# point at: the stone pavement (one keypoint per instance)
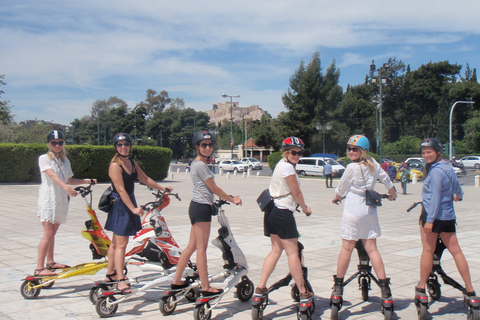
(399, 245)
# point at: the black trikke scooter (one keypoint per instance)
(305, 309)
(433, 285)
(365, 277)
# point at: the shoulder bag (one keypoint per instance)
(266, 202)
(372, 197)
(106, 201)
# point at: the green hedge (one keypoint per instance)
(20, 161)
(273, 159)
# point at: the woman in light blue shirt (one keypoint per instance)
(440, 189)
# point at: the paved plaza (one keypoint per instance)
(399, 245)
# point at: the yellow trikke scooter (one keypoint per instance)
(99, 242)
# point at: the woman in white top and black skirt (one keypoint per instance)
(279, 223)
(360, 221)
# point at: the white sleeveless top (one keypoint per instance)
(279, 187)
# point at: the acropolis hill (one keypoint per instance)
(221, 111)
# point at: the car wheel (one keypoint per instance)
(477, 165)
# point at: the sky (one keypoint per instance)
(58, 57)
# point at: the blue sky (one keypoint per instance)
(58, 57)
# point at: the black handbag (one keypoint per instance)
(372, 197)
(265, 201)
(106, 200)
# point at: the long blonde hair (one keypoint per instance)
(51, 154)
(116, 159)
(367, 160)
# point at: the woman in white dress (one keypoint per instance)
(53, 199)
(360, 221)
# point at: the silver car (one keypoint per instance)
(232, 165)
(471, 162)
(252, 163)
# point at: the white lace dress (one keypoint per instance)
(360, 221)
(52, 199)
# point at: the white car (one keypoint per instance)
(313, 166)
(232, 165)
(252, 163)
(470, 162)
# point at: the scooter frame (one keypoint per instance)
(433, 285)
(305, 311)
(234, 272)
(32, 285)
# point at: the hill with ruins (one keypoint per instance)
(221, 111)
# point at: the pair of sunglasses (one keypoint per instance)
(125, 144)
(354, 149)
(56, 143)
(205, 145)
(295, 153)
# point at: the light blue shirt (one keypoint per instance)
(439, 188)
(327, 168)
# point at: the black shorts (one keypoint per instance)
(280, 222)
(199, 212)
(439, 226)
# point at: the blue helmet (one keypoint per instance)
(359, 140)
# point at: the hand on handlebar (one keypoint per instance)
(168, 189)
(138, 211)
(337, 200)
(237, 200)
(308, 212)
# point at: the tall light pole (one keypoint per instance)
(231, 121)
(135, 123)
(450, 127)
(324, 127)
(381, 80)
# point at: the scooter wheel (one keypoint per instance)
(434, 290)
(303, 316)
(27, 291)
(422, 311)
(334, 312)
(257, 313)
(245, 290)
(105, 308)
(201, 313)
(192, 294)
(387, 313)
(167, 305)
(48, 286)
(94, 294)
(364, 288)
(473, 313)
(295, 294)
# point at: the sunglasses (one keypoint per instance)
(125, 144)
(296, 153)
(56, 143)
(205, 145)
(353, 149)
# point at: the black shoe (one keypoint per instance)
(179, 286)
(210, 293)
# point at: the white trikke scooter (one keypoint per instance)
(234, 274)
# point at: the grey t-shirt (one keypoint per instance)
(200, 172)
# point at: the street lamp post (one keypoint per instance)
(324, 127)
(450, 127)
(231, 121)
(135, 123)
(382, 80)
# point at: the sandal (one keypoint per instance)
(179, 286)
(110, 276)
(46, 273)
(211, 293)
(56, 265)
(126, 290)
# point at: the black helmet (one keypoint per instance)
(202, 135)
(292, 142)
(55, 134)
(432, 143)
(121, 137)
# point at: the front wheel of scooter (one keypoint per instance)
(27, 290)
(257, 312)
(422, 311)
(245, 290)
(387, 313)
(434, 289)
(334, 312)
(105, 308)
(201, 312)
(167, 305)
(364, 288)
(192, 294)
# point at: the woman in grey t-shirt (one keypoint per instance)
(200, 213)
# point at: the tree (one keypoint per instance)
(155, 102)
(6, 117)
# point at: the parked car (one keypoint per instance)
(419, 160)
(252, 163)
(414, 167)
(313, 166)
(232, 165)
(471, 162)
